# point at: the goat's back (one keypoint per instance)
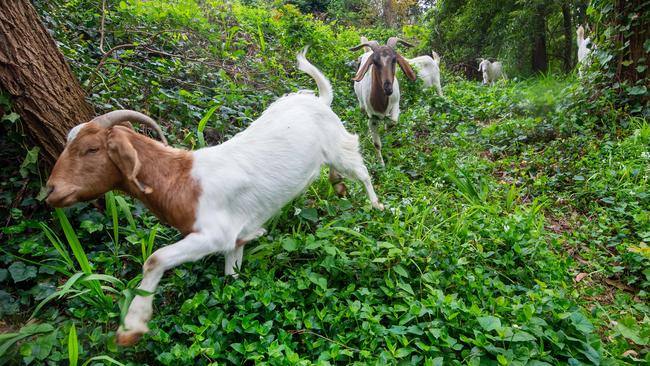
(427, 69)
(268, 164)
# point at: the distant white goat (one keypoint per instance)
(428, 69)
(376, 86)
(583, 50)
(492, 71)
(218, 197)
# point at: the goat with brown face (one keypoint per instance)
(376, 86)
(218, 197)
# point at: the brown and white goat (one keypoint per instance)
(376, 86)
(218, 197)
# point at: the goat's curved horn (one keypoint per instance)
(372, 44)
(393, 41)
(110, 119)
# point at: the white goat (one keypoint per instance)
(220, 196)
(376, 86)
(583, 50)
(492, 71)
(428, 69)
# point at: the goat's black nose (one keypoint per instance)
(388, 88)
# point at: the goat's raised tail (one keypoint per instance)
(435, 57)
(325, 93)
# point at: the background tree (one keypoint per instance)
(623, 51)
(33, 72)
(530, 36)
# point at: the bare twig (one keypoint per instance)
(101, 30)
(302, 331)
(182, 57)
(103, 60)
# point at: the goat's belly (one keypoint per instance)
(248, 194)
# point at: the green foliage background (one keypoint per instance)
(515, 232)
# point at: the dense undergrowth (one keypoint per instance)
(515, 227)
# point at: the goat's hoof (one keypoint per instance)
(131, 336)
(127, 339)
(378, 206)
(340, 190)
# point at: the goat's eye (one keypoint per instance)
(91, 150)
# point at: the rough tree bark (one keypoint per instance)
(35, 74)
(636, 37)
(567, 55)
(389, 13)
(539, 59)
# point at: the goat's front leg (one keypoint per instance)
(193, 247)
(373, 125)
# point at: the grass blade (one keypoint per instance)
(56, 243)
(103, 358)
(73, 241)
(124, 207)
(111, 209)
(73, 346)
(203, 123)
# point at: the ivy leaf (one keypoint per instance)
(11, 117)
(637, 90)
(309, 214)
(522, 336)
(20, 272)
(400, 271)
(289, 244)
(489, 322)
(581, 323)
(629, 329)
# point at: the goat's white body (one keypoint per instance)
(428, 69)
(492, 71)
(363, 87)
(583, 51)
(247, 179)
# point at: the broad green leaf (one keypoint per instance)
(489, 323)
(289, 244)
(21, 272)
(521, 336)
(581, 323)
(630, 329)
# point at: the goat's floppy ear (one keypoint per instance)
(125, 156)
(363, 70)
(404, 65)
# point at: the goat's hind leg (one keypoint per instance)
(235, 257)
(193, 247)
(373, 125)
(348, 161)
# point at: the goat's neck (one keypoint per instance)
(167, 171)
(378, 100)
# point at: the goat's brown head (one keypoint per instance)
(97, 158)
(383, 59)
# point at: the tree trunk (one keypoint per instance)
(636, 37)
(539, 62)
(389, 13)
(43, 90)
(568, 38)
